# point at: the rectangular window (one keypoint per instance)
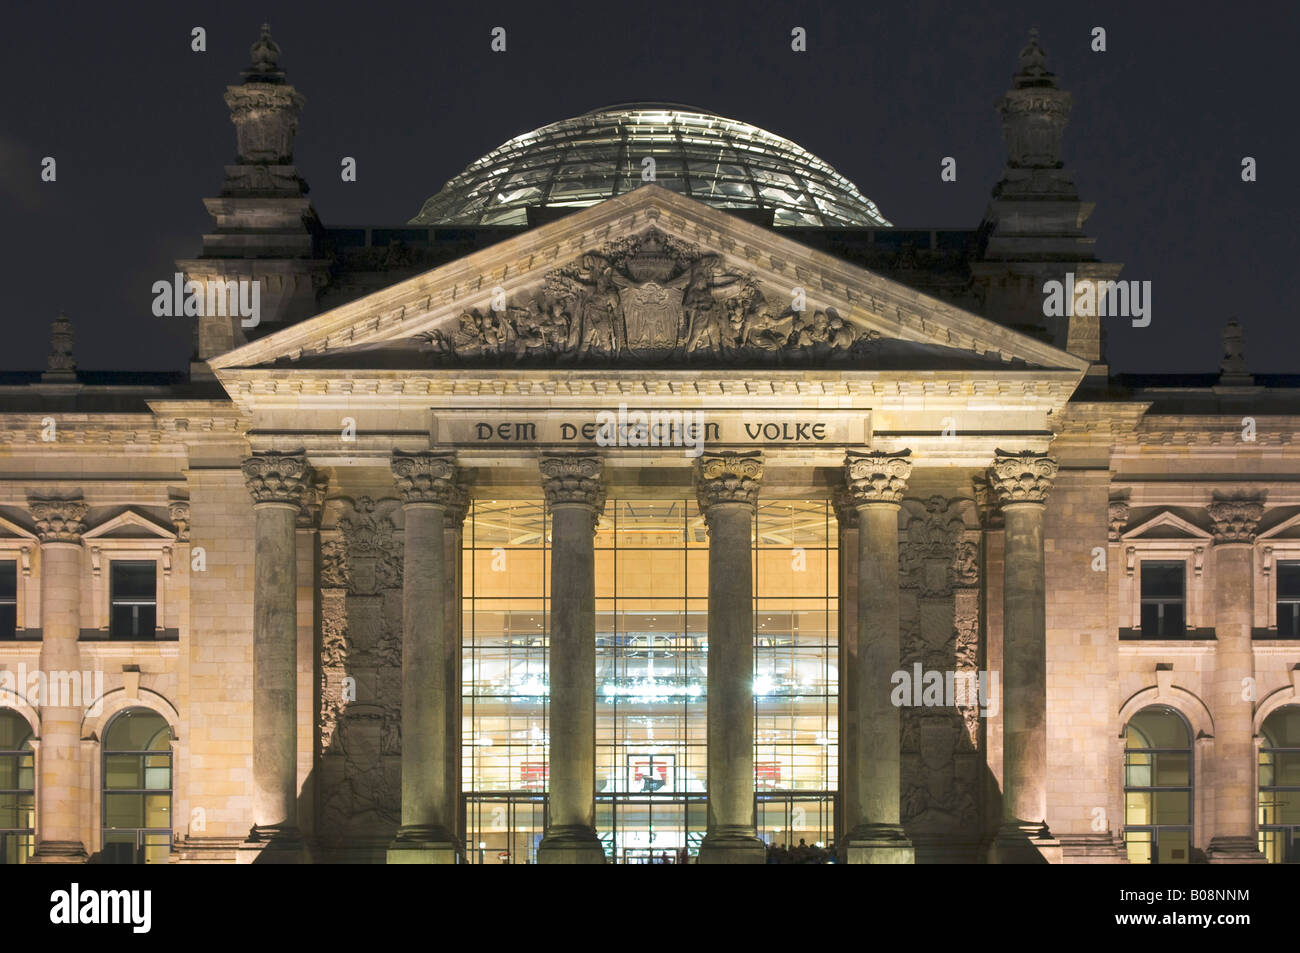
(8, 599)
(133, 599)
(1164, 599)
(1288, 599)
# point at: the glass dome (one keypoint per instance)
(596, 156)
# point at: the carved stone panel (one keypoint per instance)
(939, 612)
(359, 758)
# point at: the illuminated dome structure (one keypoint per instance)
(598, 155)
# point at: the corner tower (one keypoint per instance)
(1033, 228)
(266, 229)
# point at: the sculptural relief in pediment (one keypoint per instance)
(648, 298)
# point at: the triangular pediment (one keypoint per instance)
(1166, 525)
(1287, 529)
(646, 279)
(11, 530)
(129, 525)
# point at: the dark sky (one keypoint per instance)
(1160, 124)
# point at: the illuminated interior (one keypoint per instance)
(651, 669)
(1279, 786)
(1158, 788)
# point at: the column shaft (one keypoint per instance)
(452, 559)
(575, 497)
(1024, 678)
(275, 676)
(426, 482)
(879, 652)
(730, 683)
(875, 482)
(62, 801)
(1232, 821)
(1022, 482)
(727, 486)
(277, 483)
(572, 669)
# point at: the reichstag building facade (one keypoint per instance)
(648, 497)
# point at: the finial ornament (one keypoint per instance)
(264, 108)
(876, 476)
(1233, 369)
(1022, 477)
(266, 60)
(60, 365)
(1033, 64)
(1034, 112)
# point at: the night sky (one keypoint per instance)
(1161, 121)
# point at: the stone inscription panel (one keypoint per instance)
(635, 427)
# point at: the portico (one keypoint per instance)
(363, 401)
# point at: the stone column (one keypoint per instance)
(575, 496)
(426, 482)
(452, 536)
(63, 805)
(846, 516)
(1022, 482)
(727, 488)
(875, 482)
(277, 482)
(1232, 768)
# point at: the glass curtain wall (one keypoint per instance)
(651, 656)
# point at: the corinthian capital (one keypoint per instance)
(458, 505)
(425, 477)
(1236, 519)
(573, 479)
(728, 478)
(876, 476)
(275, 477)
(58, 521)
(1024, 477)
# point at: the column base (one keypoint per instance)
(1025, 842)
(423, 844)
(571, 844)
(1240, 849)
(1092, 848)
(732, 847)
(274, 845)
(879, 844)
(59, 852)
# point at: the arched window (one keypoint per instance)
(1158, 787)
(1279, 786)
(17, 789)
(137, 788)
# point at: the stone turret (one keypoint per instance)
(1033, 228)
(266, 227)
